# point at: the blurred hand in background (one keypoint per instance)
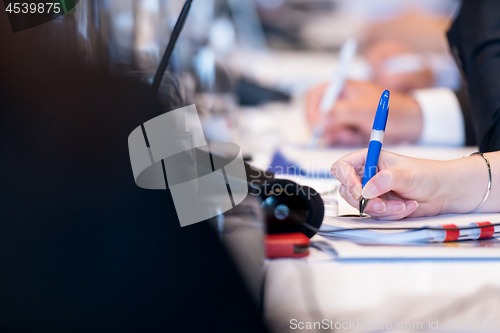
(398, 67)
(420, 31)
(350, 121)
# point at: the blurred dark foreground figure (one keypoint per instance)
(82, 248)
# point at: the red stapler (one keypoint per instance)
(289, 245)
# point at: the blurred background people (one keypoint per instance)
(417, 187)
(254, 52)
(408, 54)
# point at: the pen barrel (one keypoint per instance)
(371, 160)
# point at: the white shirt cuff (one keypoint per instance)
(443, 122)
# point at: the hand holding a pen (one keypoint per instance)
(349, 121)
(412, 187)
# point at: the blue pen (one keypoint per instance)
(375, 146)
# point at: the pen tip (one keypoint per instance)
(362, 206)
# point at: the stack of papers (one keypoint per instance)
(332, 225)
(369, 244)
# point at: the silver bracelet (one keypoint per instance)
(489, 182)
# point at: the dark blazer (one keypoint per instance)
(475, 43)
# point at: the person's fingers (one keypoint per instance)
(352, 184)
(376, 55)
(376, 206)
(313, 100)
(353, 115)
(354, 160)
(402, 82)
(345, 136)
(349, 122)
(346, 171)
(397, 180)
(392, 82)
(387, 48)
(353, 89)
(333, 132)
(382, 209)
(349, 136)
(395, 209)
(330, 129)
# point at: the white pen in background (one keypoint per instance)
(332, 92)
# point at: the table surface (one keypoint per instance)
(372, 291)
(321, 287)
(345, 291)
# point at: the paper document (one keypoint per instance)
(345, 227)
(383, 245)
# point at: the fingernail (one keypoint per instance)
(412, 205)
(380, 207)
(399, 207)
(357, 192)
(369, 191)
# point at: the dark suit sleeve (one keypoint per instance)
(475, 43)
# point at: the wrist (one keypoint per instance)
(465, 185)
